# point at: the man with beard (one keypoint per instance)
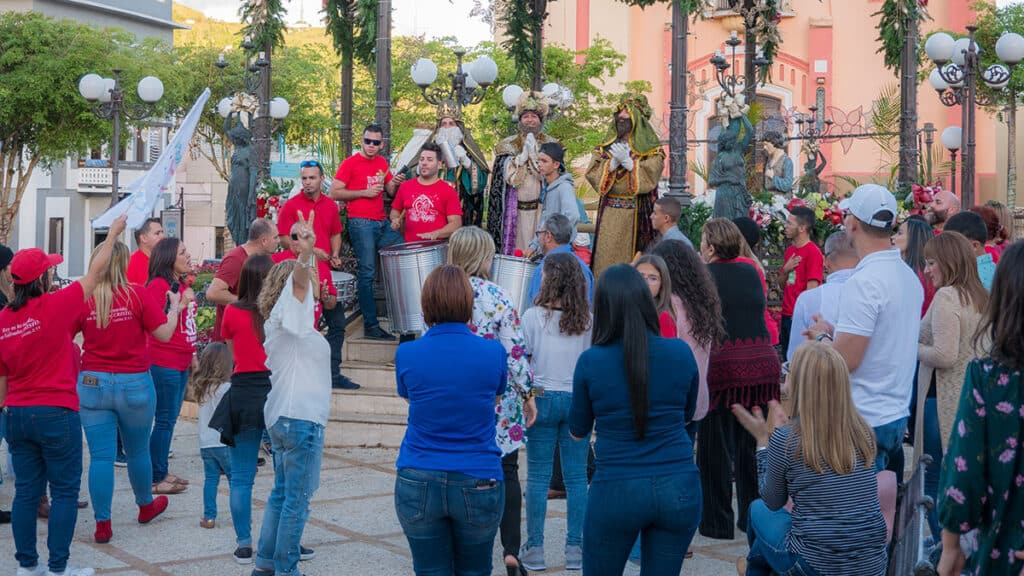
(625, 171)
(513, 202)
(426, 206)
(943, 206)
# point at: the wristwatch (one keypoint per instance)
(824, 335)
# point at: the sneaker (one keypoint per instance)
(532, 558)
(261, 462)
(243, 554)
(70, 570)
(306, 553)
(378, 333)
(208, 523)
(170, 453)
(121, 461)
(5, 517)
(573, 557)
(341, 382)
(38, 570)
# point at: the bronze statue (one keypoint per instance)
(240, 207)
(729, 169)
(810, 183)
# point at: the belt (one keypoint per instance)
(531, 205)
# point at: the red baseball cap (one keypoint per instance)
(31, 263)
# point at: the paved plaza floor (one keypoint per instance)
(352, 525)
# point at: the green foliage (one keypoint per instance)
(264, 24)
(276, 187)
(892, 28)
(885, 118)
(992, 22)
(521, 25)
(692, 220)
(352, 25)
(688, 6)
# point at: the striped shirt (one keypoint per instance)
(838, 526)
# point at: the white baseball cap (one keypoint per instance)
(867, 201)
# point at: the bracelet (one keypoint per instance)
(823, 336)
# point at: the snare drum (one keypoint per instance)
(405, 268)
(515, 275)
(345, 284)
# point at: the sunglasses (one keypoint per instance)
(309, 164)
(295, 236)
(371, 141)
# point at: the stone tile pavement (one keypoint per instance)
(352, 525)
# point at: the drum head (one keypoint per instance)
(412, 246)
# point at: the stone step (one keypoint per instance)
(372, 351)
(349, 429)
(368, 402)
(376, 377)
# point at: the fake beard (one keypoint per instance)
(452, 135)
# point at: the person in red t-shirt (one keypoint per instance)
(115, 387)
(223, 289)
(239, 416)
(362, 181)
(146, 237)
(328, 293)
(170, 361)
(430, 206)
(803, 266)
(37, 390)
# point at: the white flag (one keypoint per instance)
(146, 191)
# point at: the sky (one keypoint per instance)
(432, 18)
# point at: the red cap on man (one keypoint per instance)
(31, 263)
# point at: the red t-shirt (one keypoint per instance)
(36, 350)
(995, 252)
(229, 271)
(326, 280)
(811, 267)
(667, 324)
(175, 354)
(427, 208)
(138, 268)
(245, 342)
(133, 314)
(358, 173)
(326, 223)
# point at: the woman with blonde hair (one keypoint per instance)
(495, 318)
(822, 457)
(115, 387)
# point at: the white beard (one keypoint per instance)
(452, 135)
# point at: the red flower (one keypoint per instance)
(795, 203)
(274, 201)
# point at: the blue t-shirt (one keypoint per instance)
(600, 400)
(451, 378)
(536, 280)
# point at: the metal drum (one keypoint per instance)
(405, 268)
(345, 284)
(514, 275)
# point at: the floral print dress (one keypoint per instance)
(983, 470)
(495, 317)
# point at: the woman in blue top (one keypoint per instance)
(639, 390)
(449, 492)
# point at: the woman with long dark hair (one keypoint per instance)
(239, 416)
(653, 270)
(557, 329)
(169, 265)
(640, 390)
(910, 238)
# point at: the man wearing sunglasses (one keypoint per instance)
(361, 181)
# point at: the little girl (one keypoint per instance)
(655, 272)
(209, 384)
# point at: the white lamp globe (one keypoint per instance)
(960, 48)
(485, 71)
(467, 68)
(565, 98)
(996, 76)
(224, 107)
(151, 89)
(108, 85)
(935, 79)
(939, 47)
(951, 137)
(90, 87)
(424, 72)
(1010, 48)
(279, 108)
(551, 89)
(510, 95)
(954, 71)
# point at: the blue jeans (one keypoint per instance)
(244, 454)
(46, 448)
(298, 448)
(449, 519)
(216, 461)
(170, 393)
(551, 427)
(664, 509)
(889, 438)
(932, 447)
(368, 237)
(124, 402)
(766, 535)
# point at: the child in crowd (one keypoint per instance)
(655, 273)
(209, 384)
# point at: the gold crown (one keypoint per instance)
(449, 109)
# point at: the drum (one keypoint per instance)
(345, 284)
(405, 268)
(514, 275)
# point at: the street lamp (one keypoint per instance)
(811, 127)
(952, 138)
(559, 97)
(955, 77)
(108, 103)
(468, 84)
(733, 83)
(1010, 49)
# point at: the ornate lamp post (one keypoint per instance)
(468, 85)
(813, 126)
(733, 83)
(109, 103)
(1009, 49)
(952, 139)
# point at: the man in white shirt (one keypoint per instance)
(840, 260)
(879, 321)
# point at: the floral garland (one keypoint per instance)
(762, 20)
(894, 15)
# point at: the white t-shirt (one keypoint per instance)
(299, 360)
(553, 355)
(208, 437)
(882, 300)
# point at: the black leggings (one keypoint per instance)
(512, 518)
(725, 449)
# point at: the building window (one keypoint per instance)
(218, 242)
(55, 244)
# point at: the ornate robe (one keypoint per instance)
(513, 200)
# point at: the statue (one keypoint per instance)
(809, 181)
(625, 171)
(728, 174)
(513, 199)
(240, 208)
(778, 167)
(464, 165)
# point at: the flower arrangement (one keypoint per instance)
(272, 193)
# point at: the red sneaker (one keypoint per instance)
(153, 509)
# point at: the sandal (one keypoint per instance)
(176, 479)
(167, 487)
